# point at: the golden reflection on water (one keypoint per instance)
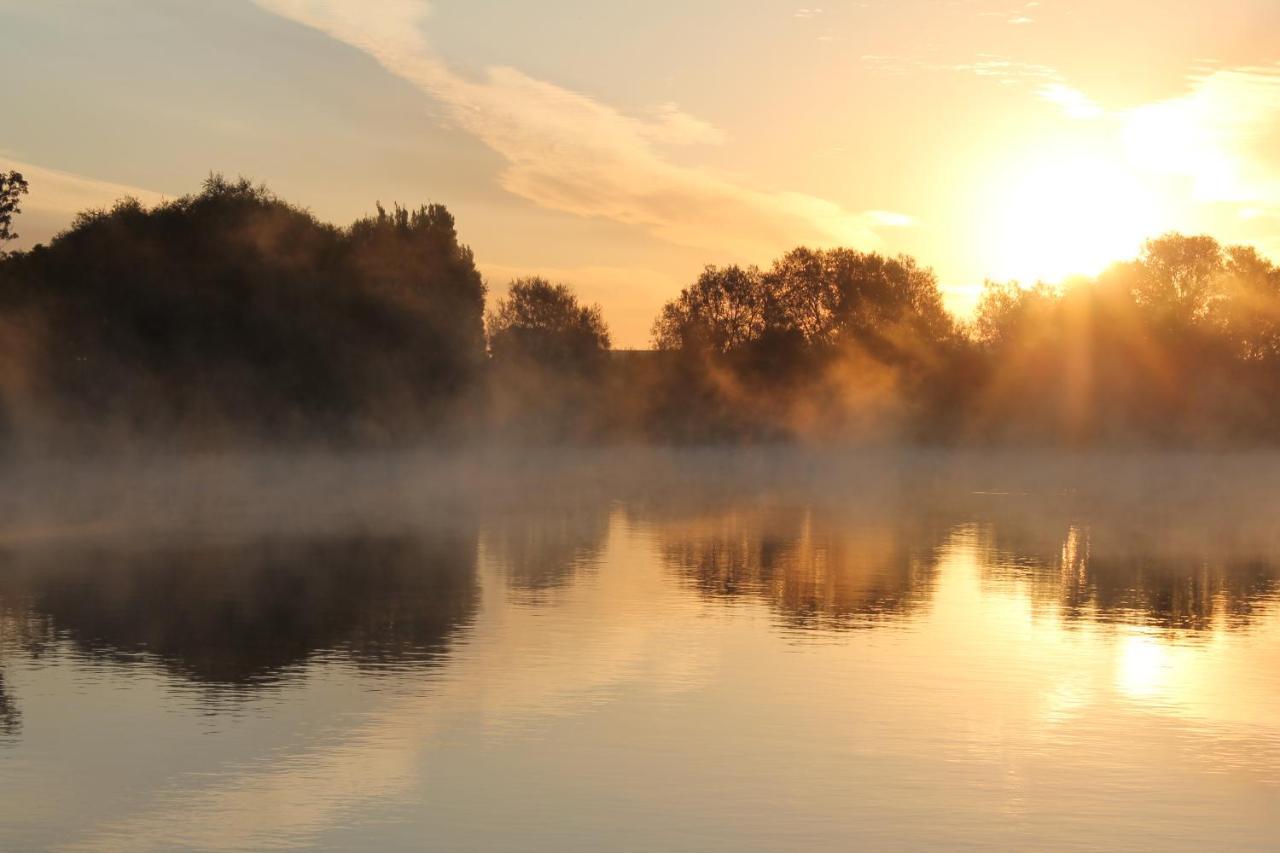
(661, 675)
(1142, 666)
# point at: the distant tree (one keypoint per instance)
(1180, 344)
(1007, 311)
(1250, 310)
(1178, 279)
(12, 188)
(809, 298)
(821, 339)
(231, 313)
(835, 296)
(547, 378)
(544, 323)
(724, 310)
(414, 260)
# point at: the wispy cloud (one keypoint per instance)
(1074, 103)
(568, 152)
(1002, 68)
(1222, 135)
(991, 66)
(1018, 17)
(57, 196)
(1050, 84)
(56, 191)
(890, 219)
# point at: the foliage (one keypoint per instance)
(549, 359)
(231, 315)
(832, 342)
(813, 298)
(1181, 344)
(544, 322)
(12, 188)
(231, 310)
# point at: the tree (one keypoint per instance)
(1178, 279)
(12, 188)
(724, 310)
(1250, 313)
(840, 296)
(1007, 311)
(231, 314)
(1182, 343)
(809, 299)
(547, 379)
(823, 338)
(544, 323)
(415, 262)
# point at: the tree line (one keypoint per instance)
(232, 315)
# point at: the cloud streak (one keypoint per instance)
(570, 153)
(1074, 103)
(57, 196)
(1222, 135)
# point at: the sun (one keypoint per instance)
(1059, 212)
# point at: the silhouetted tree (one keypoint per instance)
(233, 313)
(549, 359)
(414, 260)
(822, 339)
(827, 297)
(544, 322)
(1006, 310)
(814, 299)
(12, 188)
(724, 311)
(1180, 344)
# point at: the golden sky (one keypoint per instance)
(620, 146)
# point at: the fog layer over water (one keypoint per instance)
(785, 650)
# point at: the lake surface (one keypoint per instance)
(685, 652)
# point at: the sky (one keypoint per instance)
(620, 147)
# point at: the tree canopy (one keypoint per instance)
(544, 322)
(1181, 343)
(231, 309)
(814, 297)
(12, 188)
(231, 314)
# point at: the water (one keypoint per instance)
(687, 653)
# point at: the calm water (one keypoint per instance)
(687, 653)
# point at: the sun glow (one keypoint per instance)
(1059, 213)
(1143, 666)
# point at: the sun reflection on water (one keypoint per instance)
(1143, 666)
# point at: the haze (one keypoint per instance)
(612, 426)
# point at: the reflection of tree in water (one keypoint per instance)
(10, 720)
(1109, 572)
(542, 552)
(244, 613)
(817, 571)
